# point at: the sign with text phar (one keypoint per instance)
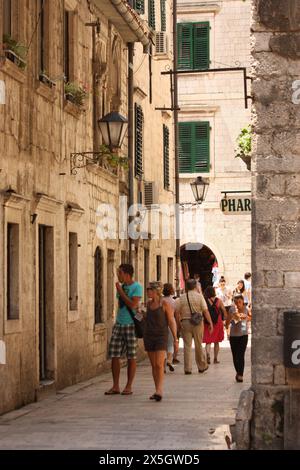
(236, 205)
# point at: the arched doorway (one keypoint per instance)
(198, 259)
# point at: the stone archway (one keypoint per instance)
(197, 258)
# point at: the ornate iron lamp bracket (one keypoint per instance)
(83, 159)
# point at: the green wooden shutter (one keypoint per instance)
(185, 147)
(163, 15)
(139, 6)
(201, 45)
(151, 13)
(201, 132)
(194, 143)
(185, 45)
(139, 127)
(166, 140)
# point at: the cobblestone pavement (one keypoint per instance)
(194, 414)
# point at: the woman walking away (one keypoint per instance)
(158, 317)
(238, 318)
(168, 293)
(217, 312)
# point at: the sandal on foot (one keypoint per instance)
(171, 368)
(216, 361)
(112, 392)
(126, 392)
(157, 397)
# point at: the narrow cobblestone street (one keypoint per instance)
(194, 414)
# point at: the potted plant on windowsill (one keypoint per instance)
(15, 51)
(244, 148)
(75, 93)
(44, 78)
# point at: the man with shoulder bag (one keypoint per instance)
(190, 310)
(123, 341)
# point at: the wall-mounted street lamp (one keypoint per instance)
(200, 188)
(113, 128)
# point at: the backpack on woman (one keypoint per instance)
(213, 310)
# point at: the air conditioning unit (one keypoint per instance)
(161, 43)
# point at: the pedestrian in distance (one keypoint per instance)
(238, 319)
(224, 293)
(240, 289)
(218, 314)
(197, 278)
(168, 293)
(189, 303)
(159, 317)
(123, 340)
(248, 293)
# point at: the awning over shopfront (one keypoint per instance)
(131, 27)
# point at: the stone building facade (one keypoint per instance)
(218, 32)
(275, 223)
(57, 276)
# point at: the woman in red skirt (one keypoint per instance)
(218, 314)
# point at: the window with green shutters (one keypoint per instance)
(151, 13)
(139, 6)
(193, 45)
(163, 15)
(194, 142)
(166, 144)
(139, 131)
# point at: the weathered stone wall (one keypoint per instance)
(38, 131)
(276, 213)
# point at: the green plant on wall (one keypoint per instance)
(19, 50)
(244, 146)
(75, 93)
(113, 159)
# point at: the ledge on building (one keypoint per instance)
(47, 204)
(45, 91)
(11, 69)
(125, 19)
(198, 7)
(73, 211)
(199, 108)
(140, 93)
(73, 109)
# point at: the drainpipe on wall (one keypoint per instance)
(130, 138)
(177, 213)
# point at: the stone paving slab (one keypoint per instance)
(194, 413)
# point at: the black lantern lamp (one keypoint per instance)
(113, 128)
(199, 188)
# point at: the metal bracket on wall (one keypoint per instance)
(83, 159)
(224, 69)
(235, 192)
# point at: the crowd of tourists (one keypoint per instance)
(194, 315)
